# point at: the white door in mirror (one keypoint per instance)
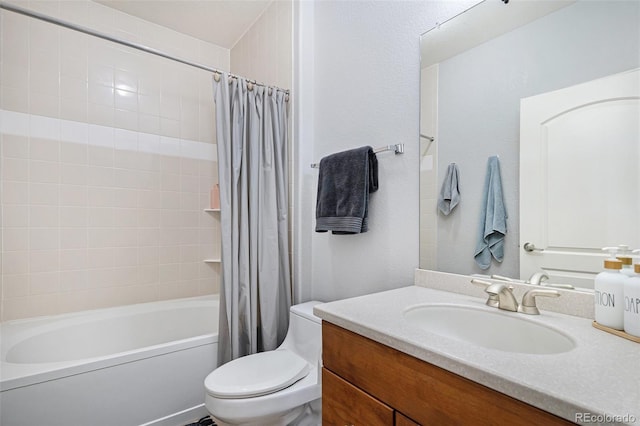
(570, 209)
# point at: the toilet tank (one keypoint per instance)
(304, 336)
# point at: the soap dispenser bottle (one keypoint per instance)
(609, 292)
(632, 304)
(624, 256)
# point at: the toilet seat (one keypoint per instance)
(255, 375)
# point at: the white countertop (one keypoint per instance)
(601, 376)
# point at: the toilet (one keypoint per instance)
(273, 388)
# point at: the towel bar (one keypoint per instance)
(397, 149)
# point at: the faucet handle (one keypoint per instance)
(480, 283)
(528, 305)
(493, 299)
(506, 299)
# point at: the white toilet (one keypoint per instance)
(274, 388)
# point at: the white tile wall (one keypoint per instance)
(265, 53)
(107, 159)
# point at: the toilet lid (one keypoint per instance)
(258, 374)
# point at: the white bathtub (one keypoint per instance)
(131, 365)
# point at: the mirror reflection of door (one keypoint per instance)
(479, 89)
(571, 208)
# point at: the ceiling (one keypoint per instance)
(221, 22)
(478, 24)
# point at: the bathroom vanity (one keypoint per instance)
(380, 369)
(367, 383)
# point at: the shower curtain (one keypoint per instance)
(255, 290)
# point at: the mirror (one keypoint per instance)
(475, 70)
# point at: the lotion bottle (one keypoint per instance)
(632, 304)
(609, 292)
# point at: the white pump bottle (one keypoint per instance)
(632, 304)
(609, 292)
(624, 255)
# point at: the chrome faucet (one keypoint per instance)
(529, 300)
(506, 300)
(501, 296)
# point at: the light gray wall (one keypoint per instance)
(357, 83)
(479, 104)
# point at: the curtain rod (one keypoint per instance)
(104, 36)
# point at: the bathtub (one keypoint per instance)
(130, 365)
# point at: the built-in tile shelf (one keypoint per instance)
(211, 210)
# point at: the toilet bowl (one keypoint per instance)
(273, 388)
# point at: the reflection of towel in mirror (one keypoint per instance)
(450, 192)
(345, 180)
(493, 218)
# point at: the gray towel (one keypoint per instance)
(450, 192)
(493, 218)
(345, 180)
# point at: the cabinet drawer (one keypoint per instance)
(344, 404)
(424, 392)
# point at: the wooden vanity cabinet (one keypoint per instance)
(345, 404)
(365, 383)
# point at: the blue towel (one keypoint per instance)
(450, 192)
(345, 180)
(493, 218)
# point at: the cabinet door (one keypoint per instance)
(404, 421)
(345, 405)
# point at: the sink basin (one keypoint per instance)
(503, 331)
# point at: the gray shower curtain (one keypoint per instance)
(255, 290)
